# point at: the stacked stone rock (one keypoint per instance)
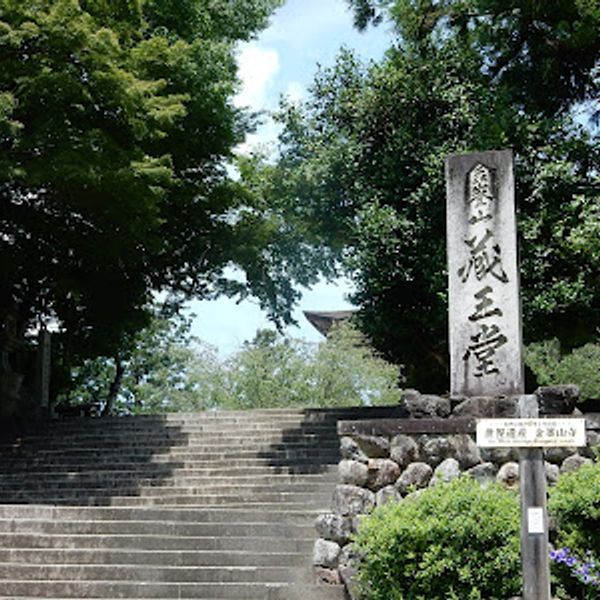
(376, 469)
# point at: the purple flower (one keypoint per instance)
(585, 572)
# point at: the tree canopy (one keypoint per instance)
(165, 369)
(117, 125)
(158, 368)
(362, 162)
(544, 53)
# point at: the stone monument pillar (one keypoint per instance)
(486, 357)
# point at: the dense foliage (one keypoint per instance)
(155, 367)
(362, 162)
(544, 54)
(460, 540)
(117, 125)
(341, 371)
(452, 541)
(165, 369)
(575, 505)
(581, 366)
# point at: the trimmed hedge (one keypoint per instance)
(452, 541)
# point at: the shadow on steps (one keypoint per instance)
(318, 431)
(87, 461)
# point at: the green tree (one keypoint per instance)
(116, 128)
(166, 369)
(348, 371)
(157, 368)
(362, 162)
(270, 371)
(544, 54)
(273, 371)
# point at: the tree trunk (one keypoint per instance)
(115, 386)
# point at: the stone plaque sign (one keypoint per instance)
(531, 433)
(484, 303)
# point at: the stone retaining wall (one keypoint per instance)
(380, 466)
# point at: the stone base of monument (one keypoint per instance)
(386, 460)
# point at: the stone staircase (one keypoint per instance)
(202, 505)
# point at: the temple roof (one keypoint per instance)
(323, 320)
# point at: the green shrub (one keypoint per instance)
(453, 541)
(575, 505)
(581, 366)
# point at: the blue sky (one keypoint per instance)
(283, 61)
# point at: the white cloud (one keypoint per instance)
(307, 23)
(263, 141)
(257, 70)
(295, 91)
(310, 32)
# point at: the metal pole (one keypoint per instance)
(534, 515)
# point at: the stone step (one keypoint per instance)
(226, 527)
(301, 542)
(168, 475)
(149, 449)
(304, 414)
(200, 417)
(292, 466)
(282, 500)
(171, 558)
(164, 438)
(93, 427)
(117, 478)
(127, 589)
(212, 506)
(181, 437)
(46, 511)
(160, 439)
(272, 592)
(314, 507)
(154, 443)
(271, 501)
(180, 515)
(89, 458)
(143, 573)
(135, 488)
(163, 467)
(102, 498)
(158, 488)
(42, 454)
(148, 487)
(201, 421)
(282, 591)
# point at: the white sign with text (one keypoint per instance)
(531, 433)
